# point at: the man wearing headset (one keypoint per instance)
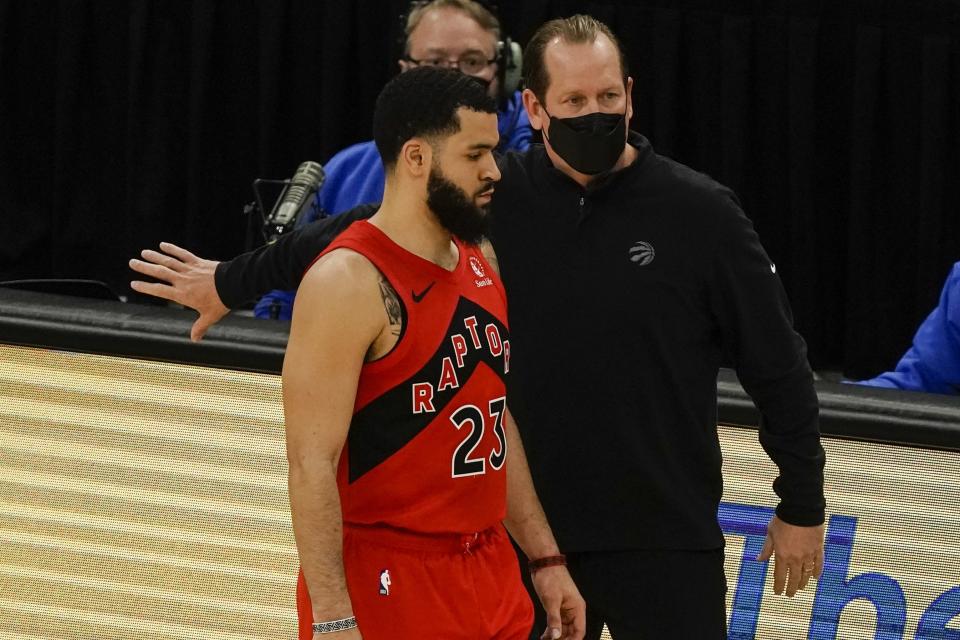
(459, 34)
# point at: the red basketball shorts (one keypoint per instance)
(425, 587)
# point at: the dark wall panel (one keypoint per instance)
(122, 124)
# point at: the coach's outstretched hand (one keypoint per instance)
(565, 608)
(189, 281)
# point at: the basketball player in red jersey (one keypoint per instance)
(404, 461)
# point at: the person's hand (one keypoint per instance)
(797, 553)
(190, 282)
(566, 610)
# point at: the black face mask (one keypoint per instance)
(590, 144)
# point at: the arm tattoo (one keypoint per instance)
(392, 305)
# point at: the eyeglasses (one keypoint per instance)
(470, 64)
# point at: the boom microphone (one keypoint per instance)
(304, 183)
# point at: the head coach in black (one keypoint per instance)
(630, 278)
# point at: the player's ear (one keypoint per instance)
(415, 157)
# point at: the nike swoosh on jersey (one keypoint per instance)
(417, 297)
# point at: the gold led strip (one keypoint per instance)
(226, 607)
(5, 635)
(62, 545)
(47, 417)
(68, 453)
(64, 622)
(97, 523)
(170, 499)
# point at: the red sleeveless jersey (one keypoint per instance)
(426, 449)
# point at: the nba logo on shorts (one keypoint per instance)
(385, 582)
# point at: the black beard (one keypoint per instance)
(455, 211)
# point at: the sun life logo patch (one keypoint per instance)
(477, 267)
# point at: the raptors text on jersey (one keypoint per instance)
(426, 449)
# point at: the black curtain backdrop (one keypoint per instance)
(838, 124)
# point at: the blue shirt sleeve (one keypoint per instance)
(354, 177)
(933, 362)
(276, 305)
(514, 125)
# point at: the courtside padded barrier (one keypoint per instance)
(861, 413)
(247, 344)
(139, 331)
